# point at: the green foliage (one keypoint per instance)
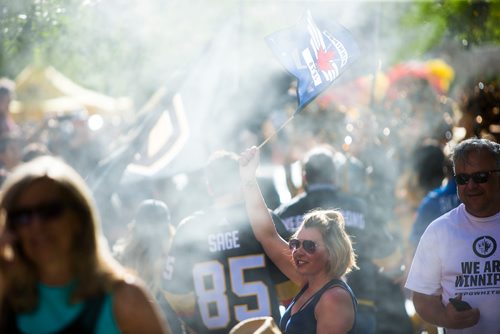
(461, 22)
(28, 31)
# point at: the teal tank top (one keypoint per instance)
(55, 311)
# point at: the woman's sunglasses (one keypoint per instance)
(308, 245)
(478, 177)
(45, 212)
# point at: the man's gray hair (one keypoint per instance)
(464, 148)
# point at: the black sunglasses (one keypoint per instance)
(46, 211)
(309, 245)
(478, 177)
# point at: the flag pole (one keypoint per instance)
(277, 131)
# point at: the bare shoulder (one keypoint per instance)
(134, 308)
(129, 290)
(129, 296)
(336, 296)
(336, 301)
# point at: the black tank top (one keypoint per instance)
(304, 321)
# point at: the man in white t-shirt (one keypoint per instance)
(458, 255)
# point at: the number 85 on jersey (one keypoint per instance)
(211, 289)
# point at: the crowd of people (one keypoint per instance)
(370, 215)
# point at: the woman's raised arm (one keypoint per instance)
(260, 218)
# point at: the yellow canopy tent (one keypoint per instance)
(43, 91)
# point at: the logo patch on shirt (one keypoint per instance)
(484, 246)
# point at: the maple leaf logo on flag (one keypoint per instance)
(324, 59)
(315, 52)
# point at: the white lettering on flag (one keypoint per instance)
(311, 64)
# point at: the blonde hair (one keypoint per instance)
(330, 224)
(94, 270)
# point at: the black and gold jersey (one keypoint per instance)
(216, 259)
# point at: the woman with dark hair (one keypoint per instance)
(56, 275)
(316, 258)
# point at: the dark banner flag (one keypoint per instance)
(315, 52)
(165, 138)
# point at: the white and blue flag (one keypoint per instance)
(316, 53)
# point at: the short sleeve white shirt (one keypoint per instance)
(460, 254)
